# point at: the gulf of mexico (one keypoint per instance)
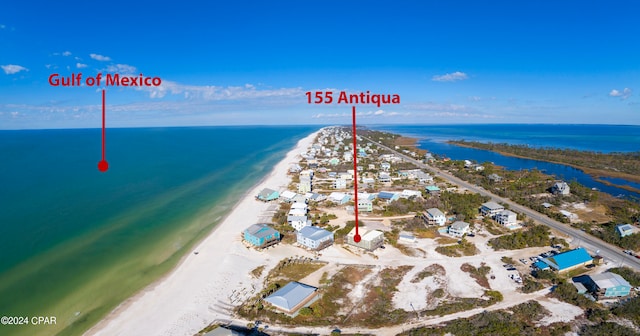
(77, 242)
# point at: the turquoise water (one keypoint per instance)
(67, 228)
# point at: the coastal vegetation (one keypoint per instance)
(622, 165)
(460, 249)
(479, 274)
(537, 235)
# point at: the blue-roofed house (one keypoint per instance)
(626, 230)
(267, 195)
(292, 297)
(569, 260)
(261, 235)
(314, 238)
(388, 196)
(432, 189)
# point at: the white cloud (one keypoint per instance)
(122, 68)
(2, 26)
(100, 57)
(215, 93)
(66, 53)
(11, 69)
(367, 114)
(80, 65)
(626, 93)
(450, 77)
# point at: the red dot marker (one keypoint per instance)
(103, 165)
(357, 238)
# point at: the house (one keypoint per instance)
(407, 237)
(506, 217)
(371, 166)
(423, 177)
(305, 185)
(410, 193)
(340, 184)
(334, 161)
(314, 238)
(432, 189)
(225, 331)
(626, 229)
(339, 197)
(459, 228)
(261, 235)
(287, 196)
(315, 197)
(385, 166)
(607, 285)
(368, 180)
(569, 215)
(301, 223)
(434, 216)
(491, 209)
(295, 168)
(267, 195)
(388, 196)
(547, 205)
(384, 177)
(365, 205)
(569, 260)
(292, 297)
(369, 240)
(494, 178)
(560, 188)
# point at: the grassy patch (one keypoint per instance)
(446, 241)
(257, 272)
(293, 269)
(465, 248)
(479, 274)
(508, 260)
(463, 304)
(428, 271)
(535, 236)
(426, 233)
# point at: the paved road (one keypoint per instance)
(612, 254)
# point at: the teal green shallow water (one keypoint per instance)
(76, 242)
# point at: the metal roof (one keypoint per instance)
(460, 225)
(435, 212)
(568, 259)
(291, 295)
(260, 230)
(492, 206)
(314, 232)
(608, 280)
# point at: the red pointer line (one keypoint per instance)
(103, 165)
(357, 237)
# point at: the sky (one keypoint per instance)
(251, 62)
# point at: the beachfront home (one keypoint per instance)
(287, 196)
(314, 238)
(560, 188)
(491, 209)
(225, 331)
(293, 296)
(569, 260)
(607, 285)
(459, 229)
(626, 229)
(369, 239)
(261, 235)
(267, 195)
(434, 216)
(506, 217)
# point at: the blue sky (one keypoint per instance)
(250, 62)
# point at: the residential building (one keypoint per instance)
(569, 260)
(292, 297)
(314, 238)
(607, 285)
(287, 196)
(339, 197)
(365, 205)
(494, 178)
(626, 229)
(459, 229)
(407, 237)
(506, 217)
(369, 239)
(434, 216)
(305, 186)
(384, 177)
(432, 189)
(301, 223)
(410, 193)
(385, 166)
(340, 184)
(267, 195)
(560, 188)
(388, 196)
(491, 208)
(261, 235)
(225, 331)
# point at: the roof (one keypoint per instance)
(291, 295)
(266, 192)
(222, 331)
(492, 206)
(569, 259)
(288, 194)
(608, 280)
(260, 230)
(435, 212)
(460, 225)
(625, 228)
(386, 195)
(371, 235)
(432, 188)
(507, 213)
(541, 265)
(314, 233)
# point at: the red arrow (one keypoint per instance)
(103, 165)
(357, 237)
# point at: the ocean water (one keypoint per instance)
(602, 138)
(77, 242)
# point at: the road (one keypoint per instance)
(612, 254)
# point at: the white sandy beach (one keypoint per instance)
(204, 286)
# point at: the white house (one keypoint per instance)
(491, 208)
(339, 197)
(287, 196)
(410, 193)
(340, 183)
(301, 223)
(385, 166)
(506, 217)
(560, 188)
(434, 216)
(305, 184)
(459, 228)
(369, 240)
(314, 238)
(384, 177)
(365, 205)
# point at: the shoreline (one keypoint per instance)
(158, 309)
